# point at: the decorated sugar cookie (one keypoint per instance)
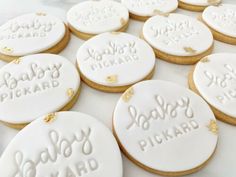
(143, 9)
(69, 144)
(163, 132)
(35, 85)
(113, 61)
(30, 34)
(197, 5)
(178, 38)
(222, 22)
(90, 18)
(214, 78)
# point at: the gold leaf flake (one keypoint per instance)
(50, 117)
(17, 61)
(190, 50)
(112, 79)
(214, 2)
(7, 49)
(122, 21)
(158, 12)
(70, 92)
(128, 94)
(205, 60)
(115, 32)
(41, 14)
(213, 127)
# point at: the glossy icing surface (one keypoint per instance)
(69, 144)
(177, 35)
(18, 36)
(201, 2)
(115, 59)
(150, 7)
(36, 85)
(96, 17)
(221, 18)
(215, 79)
(163, 130)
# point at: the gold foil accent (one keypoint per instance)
(7, 49)
(205, 60)
(128, 94)
(17, 61)
(41, 14)
(122, 21)
(213, 127)
(50, 117)
(214, 2)
(70, 92)
(158, 12)
(190, 50)
(115, 32)
(199, 17)
(111, 79)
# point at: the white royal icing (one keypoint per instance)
(201, 2)
(35, 86)
(96, 17)
(215, 79)
(221, 18)
(175, 33)
(115, 55)
(72, 145)
(30, 33)
(163, 130)
(149, 7)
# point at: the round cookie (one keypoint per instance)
(221, 20)
(30, 34)
(176, 38)
(35, 85)
(90, 18)
(163, 132)
(214, 78)
(144, 9)
(197, 5)
(68, 144)
(114, 61)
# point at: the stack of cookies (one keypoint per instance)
(162, 127)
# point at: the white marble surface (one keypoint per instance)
(100, 105)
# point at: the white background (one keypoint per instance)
(101, 105)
